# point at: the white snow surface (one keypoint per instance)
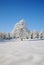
(16, 52)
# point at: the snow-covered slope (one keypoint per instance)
(16, 52)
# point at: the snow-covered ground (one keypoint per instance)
(16, 52)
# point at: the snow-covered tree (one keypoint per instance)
(32, 35)
(21, 34)
(2, 35)
(8, 35)
(37, 35)
(41, 34)
(20, 29)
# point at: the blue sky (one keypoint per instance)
(11, 11)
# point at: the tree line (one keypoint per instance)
(22, 35)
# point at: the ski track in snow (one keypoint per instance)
(22, 52)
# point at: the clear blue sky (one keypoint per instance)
(11, 11)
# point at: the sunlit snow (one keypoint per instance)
(16, 52)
